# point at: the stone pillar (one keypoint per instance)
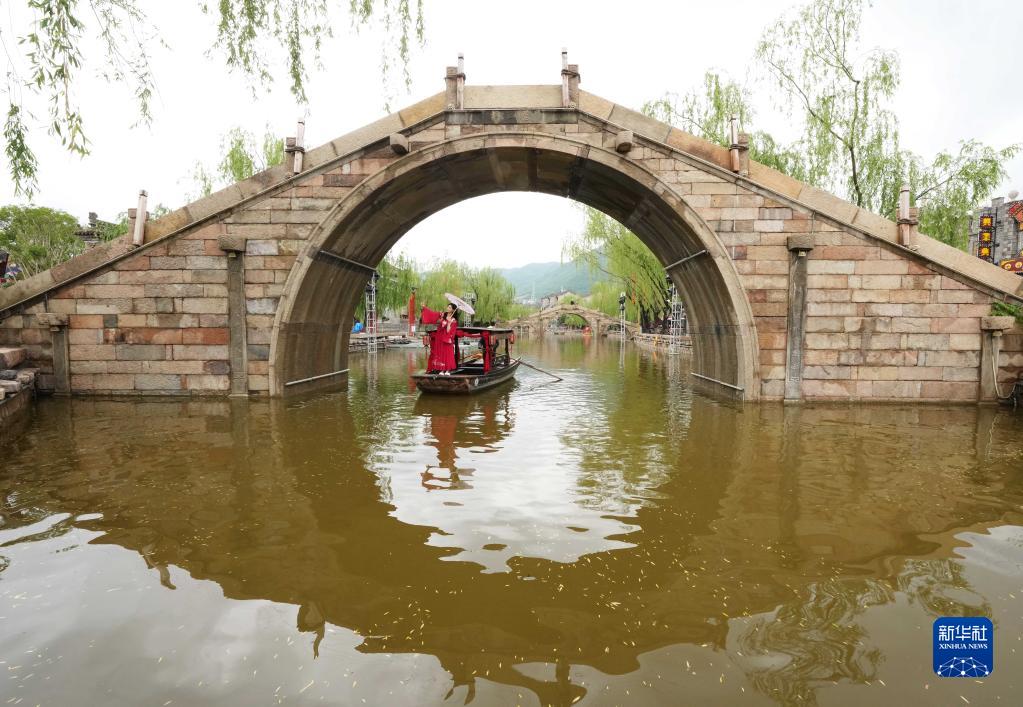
(743, 147)
(795, 323)
(454, 87)
(234, 246)
(61, 351)
(992, 329)
(570, 86)
(908, 220)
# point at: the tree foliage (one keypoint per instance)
(850, 137)
(48, 45)
(706, 112)
(37, 237)
(608, 247)
(839, 95)
(399, 274)
(243, 156)
(494, 294)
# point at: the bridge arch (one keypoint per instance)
(309, 343)
(598, 322)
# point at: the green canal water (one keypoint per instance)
(613, 539)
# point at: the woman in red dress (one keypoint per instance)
(442, 342)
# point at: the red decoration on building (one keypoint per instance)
(1015, 265)
(1016, 211)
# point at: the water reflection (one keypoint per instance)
(591, 539)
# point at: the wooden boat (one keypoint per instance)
(490, 365)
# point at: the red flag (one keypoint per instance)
(412, 313)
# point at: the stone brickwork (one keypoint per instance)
(877, 319)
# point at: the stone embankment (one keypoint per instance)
(661, 341)
(17, 388)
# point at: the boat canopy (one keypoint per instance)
(488, 332)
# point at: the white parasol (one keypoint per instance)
(460, 303)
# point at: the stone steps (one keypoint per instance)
(14, 380)
(11, 357)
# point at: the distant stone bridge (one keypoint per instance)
(791, 293)
(598, 322)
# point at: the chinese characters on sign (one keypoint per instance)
(969, 632)
(963, 647)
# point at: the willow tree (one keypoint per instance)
(397, 275)
(50, 47)
(707, 112)
(609, 248)
(494, 295)
(838, 93)
(243, 156)
(439, 277)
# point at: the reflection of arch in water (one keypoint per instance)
(290, 526)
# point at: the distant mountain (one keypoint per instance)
(544, 278)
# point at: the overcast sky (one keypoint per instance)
(961, 65)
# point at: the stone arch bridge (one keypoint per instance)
(792, 293)
(598, 322)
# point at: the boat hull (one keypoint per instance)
(464, 383)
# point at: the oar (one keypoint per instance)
(529, 365)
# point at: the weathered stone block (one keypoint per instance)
(141, 352)
(231, 243)
(156, 381)
(206, 336)
(997, 323)
(83, 336)
(95, 352)
(213, 320)
(184, 246)
(104, 306)
(209, 276)
(266, 305)
(208, 382)
(205, 262)
(964, 342)
(216, 367)
(52, 319)
(896, 389)
(931, 390)
(204, 305)
(175, 290)
(177, 262)
(200, 353)
(172, 367)
(261, 247)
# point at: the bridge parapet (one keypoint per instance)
(597, 321)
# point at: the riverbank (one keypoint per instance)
(661, 341)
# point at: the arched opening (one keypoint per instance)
(309, 348)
